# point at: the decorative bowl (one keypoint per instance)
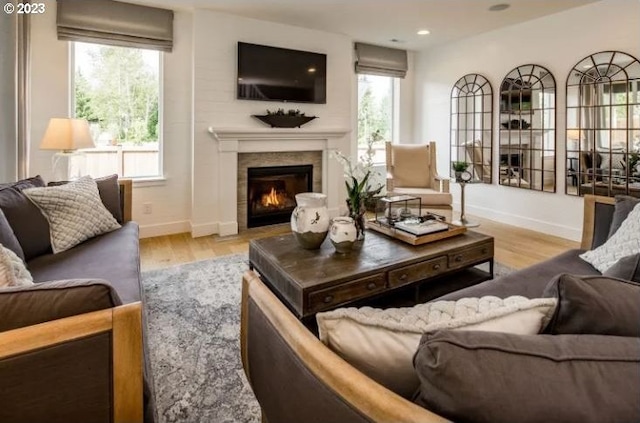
(284, 121)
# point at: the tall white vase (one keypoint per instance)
(310, 219)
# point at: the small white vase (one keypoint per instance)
(343, 234)
(310, 219)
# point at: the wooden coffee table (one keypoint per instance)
(309, 281)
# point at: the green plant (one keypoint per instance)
(459, 166)
(281, 112)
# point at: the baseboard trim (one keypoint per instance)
(149, 231)
(227, 228)
(573, 234)
(204, 229)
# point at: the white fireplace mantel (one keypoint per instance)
(232, 141)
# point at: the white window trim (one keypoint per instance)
(395, 114)
(138, 181)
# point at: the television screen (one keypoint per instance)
(279, 74)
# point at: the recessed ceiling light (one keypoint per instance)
(311, 70)
(499, 7)
(424, 32)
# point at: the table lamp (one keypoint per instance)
(67, 135)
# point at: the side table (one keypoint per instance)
(463, 218)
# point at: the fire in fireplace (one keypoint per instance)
(271, 192)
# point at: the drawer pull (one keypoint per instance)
(371, 285)
(458, 258)
(403, 277)
(328, 299)
(436, 267)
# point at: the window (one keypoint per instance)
(117, 89)
(375, 114)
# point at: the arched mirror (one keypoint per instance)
(471, 125)
(527, 129)
(603, 125)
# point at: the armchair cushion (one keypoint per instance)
(42, 302)
(627, 268)
(624, 205)
(12, 269)
(625, 242)
(29, 225)
(381, 342)
(529, 378)
(75, 212)
(594, 305)
(109, 194)
(411, 166)
(8, 238)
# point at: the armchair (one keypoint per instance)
(411, 170)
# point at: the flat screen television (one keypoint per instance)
(279, 74)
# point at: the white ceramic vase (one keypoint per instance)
(310, 219)
(343, 234)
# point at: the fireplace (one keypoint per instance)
(271, 192)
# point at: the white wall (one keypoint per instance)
(50, 97)
(215, 105)
(556, 42)
(199, 92)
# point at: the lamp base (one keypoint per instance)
(68, 165)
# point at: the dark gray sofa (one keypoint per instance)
(297, 378)
(101, 275)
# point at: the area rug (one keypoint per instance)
(193, 319)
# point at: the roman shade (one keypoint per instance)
(377, 60)
(115, 23)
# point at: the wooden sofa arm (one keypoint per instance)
(589, 220)
(126, 198)
(123, 323)
(311, 359)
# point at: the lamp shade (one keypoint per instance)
(67, 134)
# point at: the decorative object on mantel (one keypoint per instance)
(359, 188)
(282, 119)
(310, 219)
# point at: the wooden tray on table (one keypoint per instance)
(412, 239)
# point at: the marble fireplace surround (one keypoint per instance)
(232, 142)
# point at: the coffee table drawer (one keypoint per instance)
(360, 288)
(417, 272)
(470, 256)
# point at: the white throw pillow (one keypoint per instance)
(12, 269)
(381, 343)
(624, 242)
(74, 211)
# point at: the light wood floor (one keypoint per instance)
(514, 247)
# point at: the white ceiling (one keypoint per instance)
(379, 21)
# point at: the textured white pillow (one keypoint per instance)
(381, 343)
(12, 269)
(74, 211)
(625, 242)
